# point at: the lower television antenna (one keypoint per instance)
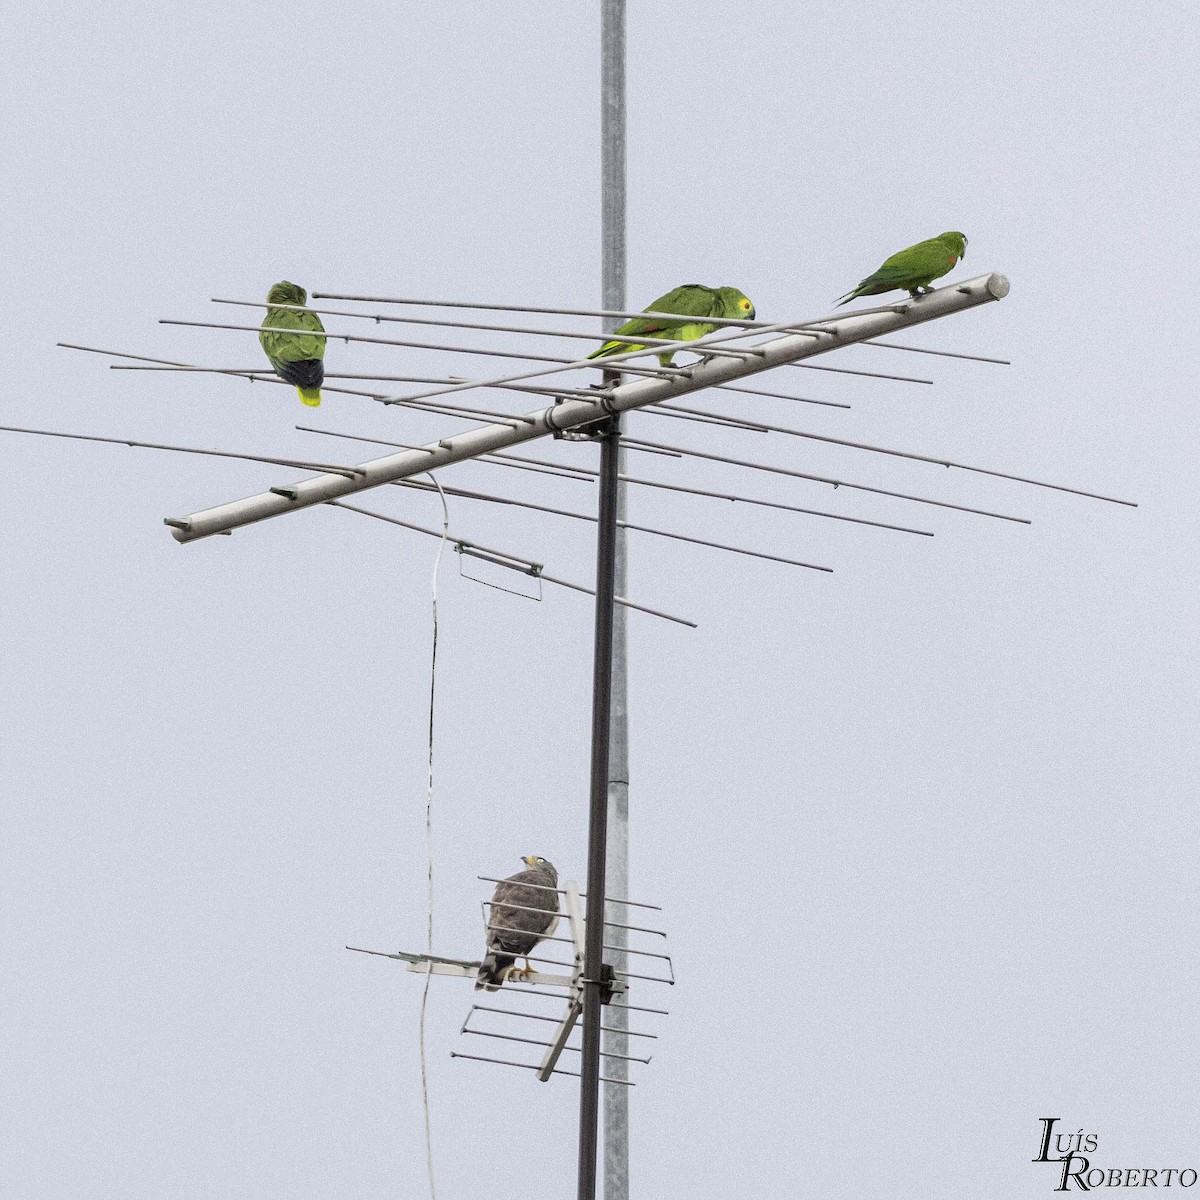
(560, 981)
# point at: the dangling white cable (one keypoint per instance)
(437, 563)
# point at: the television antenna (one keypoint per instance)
(561, 981)
(573, 403)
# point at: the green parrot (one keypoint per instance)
(297, 356)
(915, 268)
(690, 300)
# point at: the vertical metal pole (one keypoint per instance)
(612, 284)
(593, 959)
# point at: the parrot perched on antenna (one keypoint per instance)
(297, 356)
(914, 269)
(692, 301)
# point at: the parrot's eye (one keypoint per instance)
(745, 306)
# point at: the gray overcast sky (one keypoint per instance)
(925, 829)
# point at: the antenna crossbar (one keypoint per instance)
(486, 439)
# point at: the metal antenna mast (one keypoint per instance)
(609, 790)
(612, 292)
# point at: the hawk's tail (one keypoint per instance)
(492, 971)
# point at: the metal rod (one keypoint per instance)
(589, 1088)
(615, 315)
(1003, 362)
(512, 1037)
(864, 374)
(649, 978)
(516, 1012)
(562, 469)
(563, 512)
(680, 537)
(545, 937)
(569, 941)
(300, 463)
(466, 547)
(677, 410)
(624, 339)
(636, 928)
(618, 314)
(608, 924)
(620, 360)
(858, 487)
(668, 410)
(444, 409)
(419, 958)
(812, 512)
(926, 458)
(376, 341)
(726, 387)
(541, 887)
(504, 1062)
(546, 994)
(613, 209)
(262, 375)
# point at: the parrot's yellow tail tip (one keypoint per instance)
(311, 397)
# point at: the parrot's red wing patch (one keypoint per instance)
(953, 260)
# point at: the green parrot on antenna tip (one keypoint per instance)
(913, 269)
(692, 302)
(297, 356)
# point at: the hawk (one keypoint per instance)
(524, 910)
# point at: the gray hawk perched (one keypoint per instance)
(524, 910)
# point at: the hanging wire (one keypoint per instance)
(437, 563)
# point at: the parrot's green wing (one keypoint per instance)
(911, 268)
(295, 356)
(921, 261)
(690, 300)
(307, 342)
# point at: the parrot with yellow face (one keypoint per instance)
(692, 302)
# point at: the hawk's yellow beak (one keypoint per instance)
(529, 859)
